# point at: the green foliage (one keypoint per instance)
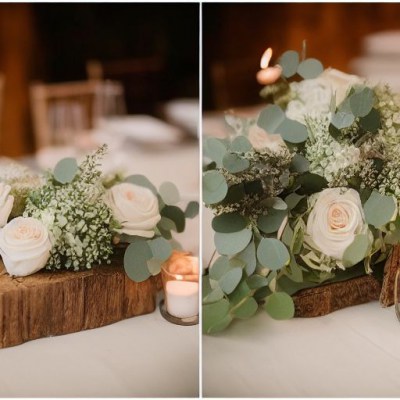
(262, 198)
(65, 170)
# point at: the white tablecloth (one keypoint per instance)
(354, 352)
(144, 356)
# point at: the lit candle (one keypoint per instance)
(181, 285)
(182, 298)
(268, 74)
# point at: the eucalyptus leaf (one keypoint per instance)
(270, 118)
(299, 164)
(292, 131)
(275, 202)
(361, 103)
(379, 209)
(154, 266)
(169, 193)
(240, 293)
(311, 183)
(215, 149)
(372, 121)
(230, 280)
(241, 144)
(257, 281)
(229, 223)
(289, 61)
(280, 306)
(232, 243)
(215, 295)
(292, 200)
(192, 209)
(135, 260)
(356, 251)
(166, 224)
(219, 268)
(214, 315)
(248, 257)
(272, 254)
(310, 68)
(141, 180)
(235, 194)
(246, 309)
(215, 187)
(234, 163)
(221, 325)
(176, 215)
(160, 248)
(271, 222)
(342, 119)
(65, 170)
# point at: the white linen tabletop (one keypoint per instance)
(354, 352)
(144, 356)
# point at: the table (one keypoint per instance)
(354, 352)
(144, 356)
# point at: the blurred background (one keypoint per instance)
(148, 52)
(76, 75)
(359, 38)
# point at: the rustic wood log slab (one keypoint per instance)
(322, 300)
(391, 267)
(56, 303)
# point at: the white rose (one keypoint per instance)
(339, 82)
(336, 218)
(24, 246)
(6, 203)
(260, 139)
(135, 208)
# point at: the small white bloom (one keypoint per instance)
(24, 246)
(6, 203)
(335, 219)
(135, 208)
(260, 139)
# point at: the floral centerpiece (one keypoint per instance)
(305, 194)
(74, 218)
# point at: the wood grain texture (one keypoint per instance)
(391, 267)
(49, 304)
(322, 300)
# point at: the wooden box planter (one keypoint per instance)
(49, 304)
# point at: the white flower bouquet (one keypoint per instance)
(304, 195)
(73, 218)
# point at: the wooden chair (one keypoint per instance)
(2, 80)
(61, 110)
(234, 83)
(143, 80)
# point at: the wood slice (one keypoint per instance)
(56, 303)
(391, 267)
(325, 299)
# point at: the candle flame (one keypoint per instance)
(266, 58)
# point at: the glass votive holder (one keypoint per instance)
(396, 293)
(180, 278)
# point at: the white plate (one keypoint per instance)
(141, 128)
(184, 113)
